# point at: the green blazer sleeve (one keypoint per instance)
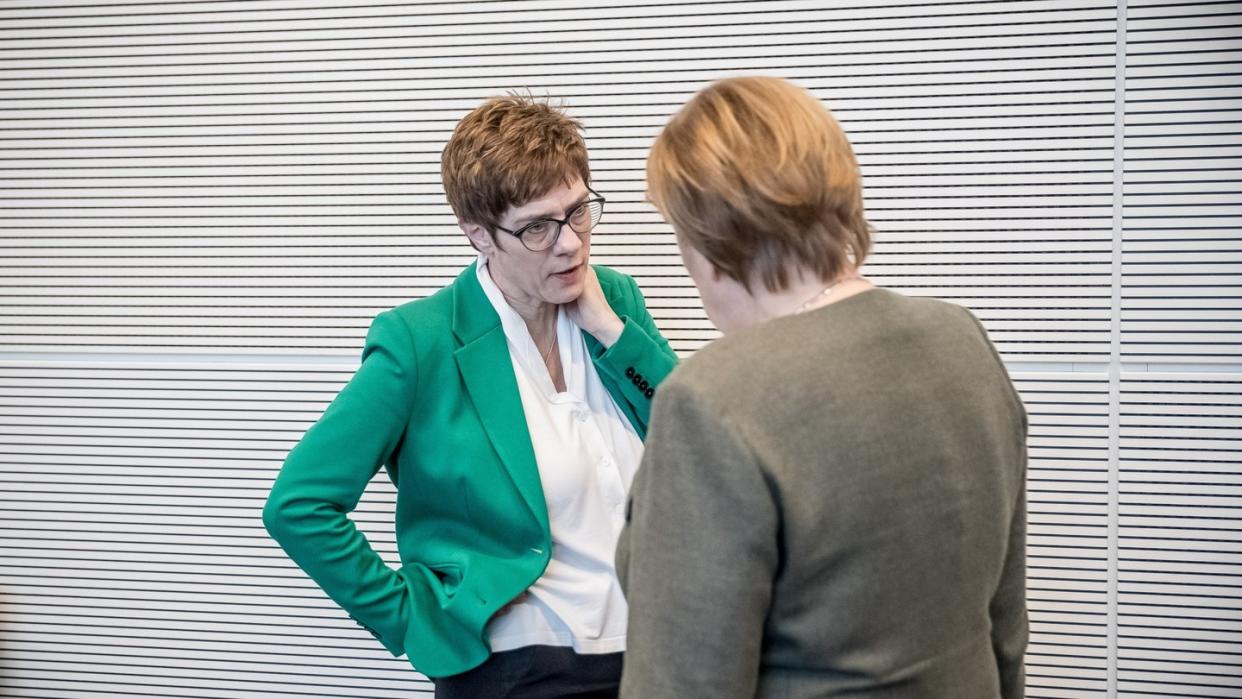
(325, 474)
(640, 358)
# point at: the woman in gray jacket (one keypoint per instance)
(831, 501)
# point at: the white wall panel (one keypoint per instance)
(1180, 549)
(1180, 499)
(1182, 252)
(132, 557)
(1067, 493)
(228, 142)
(202, 204)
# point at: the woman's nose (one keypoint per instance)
(567, 241)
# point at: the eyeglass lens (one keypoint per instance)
(542, 234)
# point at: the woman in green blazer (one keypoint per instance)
(446, 400)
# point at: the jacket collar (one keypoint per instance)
(473, 315)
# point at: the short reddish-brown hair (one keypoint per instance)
(508, 151)
(757, 175)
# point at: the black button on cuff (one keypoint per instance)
(649, 392)
(643, 386)
(629, 372)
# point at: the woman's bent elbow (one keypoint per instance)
(276, 518)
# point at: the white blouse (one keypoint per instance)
(587, 452)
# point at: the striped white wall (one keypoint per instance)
(202, 204)
(1179, 466)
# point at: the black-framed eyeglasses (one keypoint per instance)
(542, 233)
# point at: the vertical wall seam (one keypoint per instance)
(1114, 365)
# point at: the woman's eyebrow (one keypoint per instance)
(535, 217)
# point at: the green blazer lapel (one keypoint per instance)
(487, 371)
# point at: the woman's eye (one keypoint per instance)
(540, 229)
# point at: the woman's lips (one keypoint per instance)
(569, 273)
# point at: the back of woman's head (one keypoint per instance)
(757, 176)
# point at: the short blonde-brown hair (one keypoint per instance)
(757, 175)
(508, 151)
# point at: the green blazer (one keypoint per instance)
(435, 401)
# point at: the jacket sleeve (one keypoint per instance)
(697, 558)
(1010, 623)
(640, 358)
(1007, 609)
(325, 474)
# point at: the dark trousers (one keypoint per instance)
(536, 672)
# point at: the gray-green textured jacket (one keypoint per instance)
(832, 504)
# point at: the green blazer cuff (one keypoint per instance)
(442, 636)
(439, 636)
(637, 364)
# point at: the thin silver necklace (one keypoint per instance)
(821, 294)
(548, 354)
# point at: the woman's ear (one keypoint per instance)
(479, 238)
